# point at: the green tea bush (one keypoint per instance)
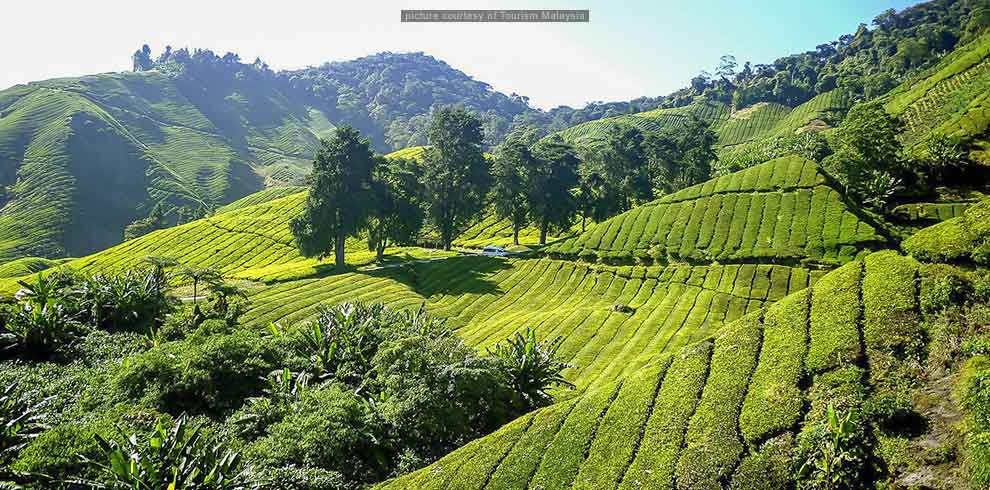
(891, 323)
(712, 445)
(296, 478)
(942, 287)
(58, 452)
(769, 468)
(977, 458)
(774, 401)
(974, 391)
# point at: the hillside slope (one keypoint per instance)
(751, 124)
(949, 99)
(720, 411)
(80, 158)
(780, 211)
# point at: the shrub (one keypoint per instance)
(836, 460)
(974, 391)
(890, 322)
(20, 421)
(36, 331)
(835, 311)
(942, 286)
(766, 469)
(296, 478)
(57, 452)
(329, 428)
(712, 446)
(210, 375)
(134, 300)
(173, 457)
(775, 400)
(977, 458)
(531, 367)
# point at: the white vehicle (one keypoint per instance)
(493, 251)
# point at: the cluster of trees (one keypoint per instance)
(869, 159)
(544, 182)
(867, 63)
(353, 190)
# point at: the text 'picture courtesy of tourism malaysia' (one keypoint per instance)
(302, 245)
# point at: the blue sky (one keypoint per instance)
(629, 49)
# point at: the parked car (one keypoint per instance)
(493, 251)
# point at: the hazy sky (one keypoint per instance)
(630, 48)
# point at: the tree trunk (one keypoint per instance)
(543, 234)
(380, 250)
(584, 217)
(515, 234)
(338, 251)
(445, 238)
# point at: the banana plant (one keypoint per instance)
(176, 458)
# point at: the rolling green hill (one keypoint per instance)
(782, 210)
(253, 242)
(721, 411)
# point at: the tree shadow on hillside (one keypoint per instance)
(454, 275)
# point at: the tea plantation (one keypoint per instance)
(724, 409)
(780, 211)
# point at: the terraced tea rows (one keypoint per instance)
(936, 100)
(252, 243)
(492, 230)
(930, 211)
(27, 265)
(747, 125)
(782, 210)
(84, 156)
(261, 197)
(591, 132)
(714, 414)
(486, 300)
(750, 123)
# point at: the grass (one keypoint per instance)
(783, 210)
(721, 412)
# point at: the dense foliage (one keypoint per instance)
(340, 195)
(868, 62)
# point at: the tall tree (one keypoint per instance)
(680, 158)
(624, 166)
(551, 198)
(511, 172)
(340, 195)
(866, 142)
(396, 215)
(455, 171)
(142, 59)
(697, 147)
